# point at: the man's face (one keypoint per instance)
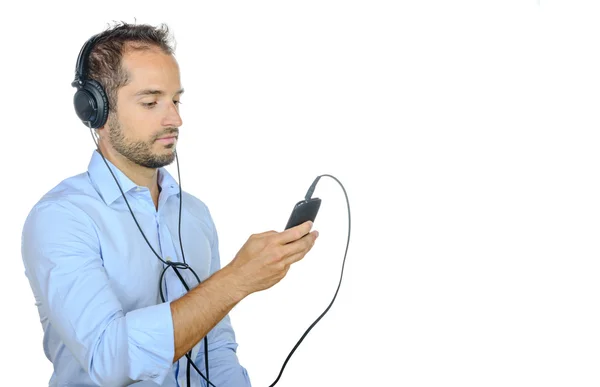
(147, 109)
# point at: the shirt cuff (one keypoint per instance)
(151, 342)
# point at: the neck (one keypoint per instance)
(141, 176)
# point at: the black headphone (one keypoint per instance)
(90, 100)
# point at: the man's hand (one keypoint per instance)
(262, 262)
(266, 258)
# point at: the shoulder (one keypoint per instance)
(196, 206)
(65, 201)
(199, 209)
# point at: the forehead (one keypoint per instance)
(151, 67)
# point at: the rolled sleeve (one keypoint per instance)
(62, 259)
(151, 342)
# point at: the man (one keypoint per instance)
(95, 275)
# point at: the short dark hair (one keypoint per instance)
(105, 61)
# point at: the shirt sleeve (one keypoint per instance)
(63, 263)
(224, 367)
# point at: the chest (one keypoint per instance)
(133, 269)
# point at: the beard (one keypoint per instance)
(138, 152)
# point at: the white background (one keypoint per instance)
(466, 136)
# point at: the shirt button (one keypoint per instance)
(168, 259)
(138, 189)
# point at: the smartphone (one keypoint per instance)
(304, 211)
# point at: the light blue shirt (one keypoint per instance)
(96, 282)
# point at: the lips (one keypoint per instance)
(167, 140)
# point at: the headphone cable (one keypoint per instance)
(174, 265)
(184, 265)
(308, 197)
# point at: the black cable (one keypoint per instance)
(168, 264)
(183, 256)
(197, 370)
(308, 196)
(184, 265)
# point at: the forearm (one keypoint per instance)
(198, 311)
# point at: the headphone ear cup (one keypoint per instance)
(91, 104)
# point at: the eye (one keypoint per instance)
(148, 105)
(177, 102)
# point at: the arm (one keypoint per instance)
(198, 311)
(262, 262)
(63, 264)
(61, 254)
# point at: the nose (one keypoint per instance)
(172, 118)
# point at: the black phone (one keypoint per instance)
(304, 211)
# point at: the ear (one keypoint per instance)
(106, 127)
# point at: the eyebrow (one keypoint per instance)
(155, 92)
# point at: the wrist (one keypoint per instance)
(231, 283)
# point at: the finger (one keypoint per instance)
(295, 258)
(266, 233)
(295, 251)
(294, 233)
(296, 246)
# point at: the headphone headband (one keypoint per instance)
(83, 60)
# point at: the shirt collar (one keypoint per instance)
(106, 186)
